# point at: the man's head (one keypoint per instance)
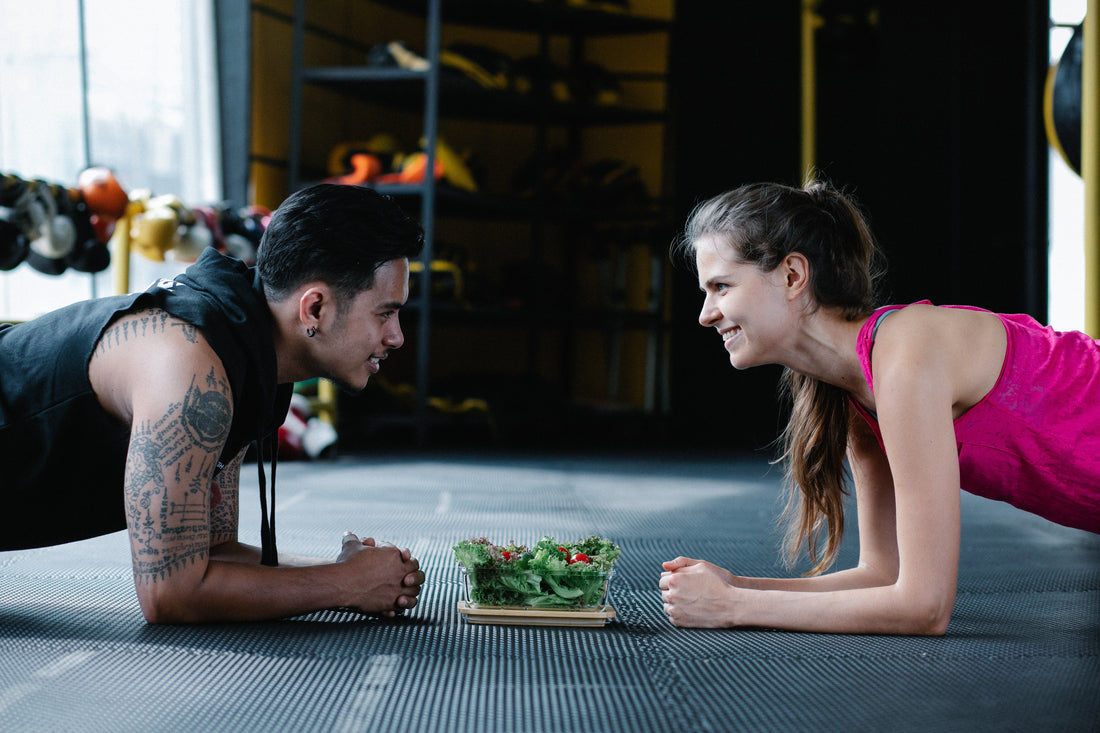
(339, 235)
(334, 266)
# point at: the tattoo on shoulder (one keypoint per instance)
(143, 323)
(168, 473)
(206, 414)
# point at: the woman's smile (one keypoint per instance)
(729, 336)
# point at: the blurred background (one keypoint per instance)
(568, 141)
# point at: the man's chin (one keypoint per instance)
(347, 387)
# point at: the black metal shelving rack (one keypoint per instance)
(423, 91)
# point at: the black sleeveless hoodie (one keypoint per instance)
(62, 457)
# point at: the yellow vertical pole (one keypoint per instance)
(811, 21)
(120, 247)
(1090, 163)
(326, 401)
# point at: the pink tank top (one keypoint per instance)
(1034, 440)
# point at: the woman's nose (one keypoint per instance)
(709, 314)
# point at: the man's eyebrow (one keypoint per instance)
(391, 306)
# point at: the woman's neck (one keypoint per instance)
(827, 351)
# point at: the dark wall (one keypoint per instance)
(929, 114)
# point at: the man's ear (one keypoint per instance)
(796, 273)
(312, 300)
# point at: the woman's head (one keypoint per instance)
(336, 234)
(762, 223)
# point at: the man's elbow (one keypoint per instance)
(166, 608)
(155, 616)
(159, 615)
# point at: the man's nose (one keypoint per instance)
(394, 338)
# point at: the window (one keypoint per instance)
(140, 99)
(1066, 305)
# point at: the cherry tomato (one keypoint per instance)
(579, 557)
(507, 555)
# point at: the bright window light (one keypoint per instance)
(150, 113)
(1066, 271)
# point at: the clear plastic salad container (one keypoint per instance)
(550, 575)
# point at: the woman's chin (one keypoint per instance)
(740, 363)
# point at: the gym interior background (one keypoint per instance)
(556, 317)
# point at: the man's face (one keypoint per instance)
(369, 327)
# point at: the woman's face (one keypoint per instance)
(748, 308)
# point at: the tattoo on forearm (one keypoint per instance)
(144, 323)
(180, 449)
(224, 517)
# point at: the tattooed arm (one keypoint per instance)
(158, 374)
(224, 517)
(224, 523)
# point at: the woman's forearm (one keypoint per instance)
(851, 601)
(881, 610)
(857, 577)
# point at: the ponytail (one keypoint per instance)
(814, 444)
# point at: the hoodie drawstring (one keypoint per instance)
(269, 553)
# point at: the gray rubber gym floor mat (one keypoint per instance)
(1022, 651)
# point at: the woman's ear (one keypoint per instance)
(796, 272)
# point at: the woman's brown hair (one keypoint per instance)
(763, 223)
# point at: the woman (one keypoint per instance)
(922, 400)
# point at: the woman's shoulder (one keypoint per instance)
(924, 317)
(926, 326)
(964, 345)
(906, 332)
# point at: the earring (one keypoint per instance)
(311, 332)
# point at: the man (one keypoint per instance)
(136, 412)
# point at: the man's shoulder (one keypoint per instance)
(147, 326)
(152, 347)
(148, 356)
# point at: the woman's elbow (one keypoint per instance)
(933, 624)
(928, 615)
(939, 628)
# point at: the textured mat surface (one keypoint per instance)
(1022, 651)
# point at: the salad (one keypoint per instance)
(550, 574)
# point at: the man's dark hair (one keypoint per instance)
(337, 234)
